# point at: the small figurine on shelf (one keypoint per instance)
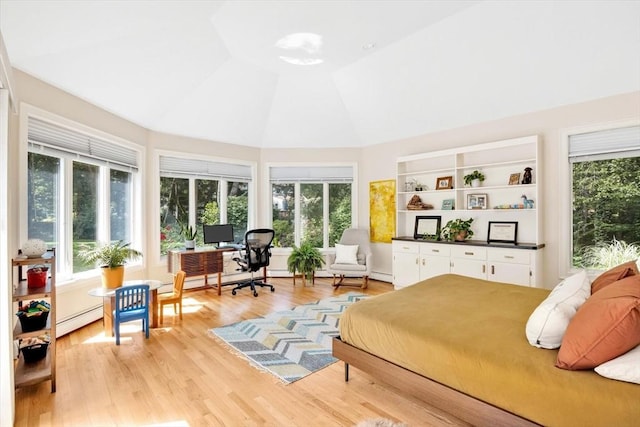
(526, 178)
(528, 203)
(416, 204)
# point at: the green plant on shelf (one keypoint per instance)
(476, 174)
(457, 230)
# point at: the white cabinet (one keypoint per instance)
(406, 269)
(510, 266)
(469, 261)
(434, 260)
(415, 260)
(498, 161)
(437, 178)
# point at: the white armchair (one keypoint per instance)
(353, 257)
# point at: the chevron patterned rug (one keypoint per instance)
(290, 344)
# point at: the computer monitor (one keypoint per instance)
(217, 233)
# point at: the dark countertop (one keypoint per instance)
(524, 245)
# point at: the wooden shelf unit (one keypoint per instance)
(27, 374)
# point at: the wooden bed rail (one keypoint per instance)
(453, 402)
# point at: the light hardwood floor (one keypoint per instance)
(183, 377)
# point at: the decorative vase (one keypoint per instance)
(112, 277)
(189, 244)
(475, 183)
(34, 248)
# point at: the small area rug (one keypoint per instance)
(290, 344)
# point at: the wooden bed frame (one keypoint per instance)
(457, 404)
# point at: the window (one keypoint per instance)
(605, 185)
(80, 179)
(84, 210)
(196, 192)
(311, 204)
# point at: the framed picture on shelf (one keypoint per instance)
(514, 179)
(427, 227)
(448, 204)
(503, 232)
(477, 201)
(444, 183)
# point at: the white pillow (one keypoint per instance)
(622, 368)
(548, 322)
(346, 254)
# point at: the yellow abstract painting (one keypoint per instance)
(382, 210)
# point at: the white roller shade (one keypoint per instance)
(194, 168)
(606, 144)
(50, 139)
(311, 174)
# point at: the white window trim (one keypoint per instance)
(564, 255)
(137, 193)
(155, 194)
(267, 207)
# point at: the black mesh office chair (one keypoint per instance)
(257, 253)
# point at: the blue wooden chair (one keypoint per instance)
(132, 303)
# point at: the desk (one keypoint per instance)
(109, 301)
(199, 262)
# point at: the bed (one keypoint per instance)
(458, 344)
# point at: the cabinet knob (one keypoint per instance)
(423, 262)
(468, 253)
(493, 269)
(435, 250)
(484, 268)
(508, 257)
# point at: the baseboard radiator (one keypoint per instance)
(78, 321)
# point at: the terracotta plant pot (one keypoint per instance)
(461, 236)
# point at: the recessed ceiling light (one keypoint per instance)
(368, 46)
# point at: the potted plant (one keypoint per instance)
(305, 260)
(458, 230)
(474, 178)
(111, 257)
(189, 234)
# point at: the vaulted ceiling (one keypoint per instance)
(325, 73)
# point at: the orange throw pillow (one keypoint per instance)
(605, 327)
(613, 275)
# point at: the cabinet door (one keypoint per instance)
(469, 261)
(405, 269)
(431, 266)
(518, 274)
(434, 260)
(509, 266)
(469, 267)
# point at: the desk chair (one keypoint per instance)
(175, 297)
(132, 303)
(256, 255)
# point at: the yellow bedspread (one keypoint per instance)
(469, 334)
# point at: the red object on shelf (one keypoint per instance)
(37, 277)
